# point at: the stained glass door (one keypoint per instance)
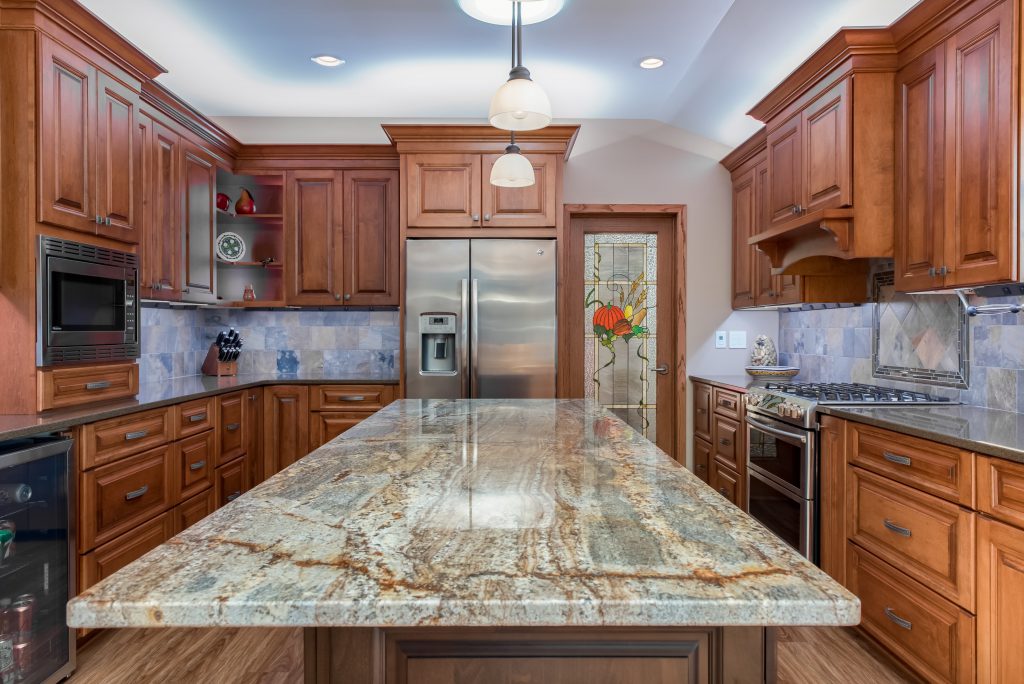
(620, 273)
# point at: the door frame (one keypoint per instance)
(570, 349)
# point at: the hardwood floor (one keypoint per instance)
(274, 656)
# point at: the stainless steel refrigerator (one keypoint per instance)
(480, 319)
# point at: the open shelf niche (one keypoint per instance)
(263, 234)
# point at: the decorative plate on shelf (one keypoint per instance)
(773, 371)
(230, 247)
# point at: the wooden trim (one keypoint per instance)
(182, 113)
(478, 138)
(755, 146)
(568, 347)
(300, 152)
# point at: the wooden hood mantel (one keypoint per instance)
(479, 138)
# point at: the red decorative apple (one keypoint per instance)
(223, 201)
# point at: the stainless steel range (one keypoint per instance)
(782, 450)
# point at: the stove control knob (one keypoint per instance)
(791, 409)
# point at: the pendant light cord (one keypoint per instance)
(519, 33)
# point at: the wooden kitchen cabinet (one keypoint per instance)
(313, 222)
(194, 461)
(285, 426)
(1000, 603)
(195, 509)
(955, 162)
(371, 238)
(728, 483)
(326, 425)
(231, 481)
(744, 225)
(254, 417)
(535, 206)
(702, 459)
(66, 386)
(785, 170)
(111, 557)
(233, 426)
(200, 178)
(162, 244)
(832, 466)
(702, 411)
(89, 147)
(727, 443)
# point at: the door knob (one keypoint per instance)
(661, 370)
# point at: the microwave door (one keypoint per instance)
(87, 303)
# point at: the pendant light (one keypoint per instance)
(520, 104)
(512, 170)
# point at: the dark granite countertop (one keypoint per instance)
(738, 383)
(174, 391)
(982, 430)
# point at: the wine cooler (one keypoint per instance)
(36, 563)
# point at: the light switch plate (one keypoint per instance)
(720, 339)
(737, 339)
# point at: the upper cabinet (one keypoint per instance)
(342, 234)
(162, 182)
(956, 173)
(90, 147)
(199, 174)
(455, 191)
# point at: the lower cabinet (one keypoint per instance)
(1000, 602)
(719, 440)
(112, 556)
(231, 481)
(325, 426)
(702, 459)
(195, 509)
(727, 482)
(285, 426)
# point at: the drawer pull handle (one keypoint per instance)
(893, 527)
(197, 465)
(702, 410)
(898, 460)
(905, 624)
(136, 494)
(132, 436)
(197, 418)
(726, 403)
(231, 427)
(353, 398)
(234, 495)
(98, 385)
(724, 442)
(723, 491)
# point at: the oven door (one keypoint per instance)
(782, 454)
(791, 517)
(84, 303)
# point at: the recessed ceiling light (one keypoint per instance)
(327, 60)
(500, 11)
(652, 63)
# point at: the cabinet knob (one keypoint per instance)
(347, 296)
(944, 271)
(337, 297)
(487, 217)
(933, 271)
(476, 217)
(99, 219)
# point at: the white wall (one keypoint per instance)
(624, 162)
(650, 163)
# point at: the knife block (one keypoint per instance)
(214, 367)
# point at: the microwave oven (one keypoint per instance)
(88, 303)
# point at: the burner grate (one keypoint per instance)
(852, 393)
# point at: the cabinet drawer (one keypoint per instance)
(110, 440)
(231, 426)
(702, 459)
(351, 397)
(232, 480)
(193, 464)
(111, 557)
(119, 496)
(193, 417)
(934, 468)
(727, 403)
(727, 443)
(702, 411)
(195, 509)
(63, 387)
(927, 538)
(326, 425)
(1001, 490)
(727, 482)
(930, 634)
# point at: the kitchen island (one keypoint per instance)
(484, 540)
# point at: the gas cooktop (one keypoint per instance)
(796, 402)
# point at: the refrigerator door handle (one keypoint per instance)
(464, 339)
(474, 339)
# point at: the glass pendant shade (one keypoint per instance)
(512, 170)
(520, 105)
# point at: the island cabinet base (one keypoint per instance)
(436, 655)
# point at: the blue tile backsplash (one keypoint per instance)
(175, 341)
(834, 345)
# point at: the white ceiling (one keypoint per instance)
(426, 59)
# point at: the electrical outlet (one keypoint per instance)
(737, 339)
(721, 339)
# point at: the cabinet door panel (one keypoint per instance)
(231, 426)
(826, 149)
(67, 102)
(162, 242)
(200, 270)
(323, 427)
(254, 420)
(979, 105)
(784, 171)
(744, 216)
(920, 131)
(765, 284)
(231, 481)
(118, 148)
(727, 482)
(1000, 603)
(285, 426)
(702, 459)
(314, 225)
(444, 190)
(702, 411)
(371, 238)
(531, 207)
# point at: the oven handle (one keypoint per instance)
(775, 431)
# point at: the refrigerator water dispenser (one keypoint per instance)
(437, 344)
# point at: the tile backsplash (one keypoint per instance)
(175, 341)
(834, 345)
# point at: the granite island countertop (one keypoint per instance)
(174, 391)
(982, 430)
(474, 513)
